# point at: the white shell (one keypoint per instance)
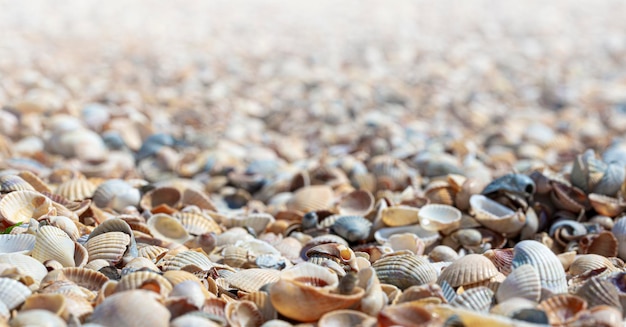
(619, 230)
(546, 263)
(522, 282)
(116, 194)
(436, 217)
(495, 216)
(26, 265)
(18, 243)
(54, 244)
(13, 293)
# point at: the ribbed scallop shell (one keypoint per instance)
(76, 189)
(522, 282)
(109, 246)
(467, 270)
(563, 309)
(197, 198)
(438, 217)
(619, 230)
(116, 194)
(167, 228)
(243, 313)
(16, 243)
(587, 262)
(34, 181)
(166, 196)
(138, 279)
(356, 203)
(13, 293)
(476, 299)
(117, 225)
(404, 270)
(352, 228)
(311, 198)
(21, 206)
(597, 291)
(197, 224)
(251, 280)
(262, 301)
(604, 244)
(151, 252)
(544, 261)
(53, 244)
(501, 258)
(83, 277)
(26, 265)
(495, 216)
(10, 183)
(185, 258)
(400, 216)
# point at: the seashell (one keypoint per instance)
(53, 243)
(439, 192)
(495, 216)
(346, 318)
(400, 216)
(251, 280)
(34, 181)
(109, 246)
(139, 263)
(197, 198)
(437, 217)
(426, 291)
(262, 301)
(544, 261)
(619, 230)
(167, 228)
(26, 266)
(565, 231)
(523, 282)
(116, 225)
(121, 310)
(54, 303)
(468, 270)
(597, 291)
(18, 243)
(587, 171)
(606, 205)
(21, 206)
(338, 253)
(603, 315)
(611, 181)
(161, 196)
(37, 317)
(563, 309)
(152, 252)
(442, 253)
(144, 280)
(243, 313)
(568, 198)
(352, 228)
(406, 241)
(604, 244)
(356, 203)
(186, 258)
(83, 277)
(197, 224)
(476, 299)
(513, 306)
(10, 183)
(429, 237)
(404, 270)
(192, 320)
(116, 194)
(588, 262)
(410, 314)
(13, 293)
(510, 183)
(311, 198)
(76, 189)
(235, 256)
(257, 221)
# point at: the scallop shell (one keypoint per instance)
(167, 228)
(437, 217)
(13, 293)
(122, 310)
(400, 216)
(563, 309)
(597, 291)
(311, 198)
(21, 206)
(352, 228)
(356, 203)
(52, 243)
(468, 270)
(604, 244)
(26, 266)
(404, 270)
(523, 282)
(10, 183)
(197, 198)
(410, 314)
(501, 258)
(76, 189)
(477, 299)
(587, 262)
(83, 277)
(144, 280)
(109, 246)
(439, 192)
(116, 194)
(117, 225)
(340, 318)
(495, 216)
(185, 258)
(251, 280)
(544, 261)
(197, 224)
(152, 252)
(16, 243)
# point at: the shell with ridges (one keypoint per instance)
(311, 198)
(197, 223)
(476, 299)
(13, 293)
(76, 189)
(21, 206)
(16, 243)
(468, 270)
(563, 309)
(116, 225)
(523, 282)
(404, 270)
(251, 280)
(495, 216)
(597, 291)
(546, 263)
(83, 277)
(53, 244)
(185, 258)
(109, 246)
(352, 228)
(26, 265)
(138, 279)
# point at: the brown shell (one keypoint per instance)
(87, 278)
(251, 280)
(563, 309)
(311, 198)
(467, 270)
(144, 280)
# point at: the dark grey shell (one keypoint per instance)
(352, 228)
(511, 183)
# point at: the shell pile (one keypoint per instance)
(404, 163)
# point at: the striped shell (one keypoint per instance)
(76, 189)
(16, 243)
(546, 263)
(144, 280)
(468, 270)
(185, 258)
(52, 243)
(83, 277)
(587, 262)
(26, 265)
(13, 293)
(597, 291)
(563, 309)
(251, 280)
(523, 282)
(256, 221)
(404, 270)
(117, 225)
(476, 299)
(109, 246)
(311, 198)
(197, 224)
(437, 217)
(21, 206)
(10, 183)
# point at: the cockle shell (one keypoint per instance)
(598, 291)
(26, 265)
(18, 243)
(109, 246)
(144, 280)
(544, 261)
(121, 309)
(83, 277)
(21, 206)
(437, 217)
(522, 282)
(52, 243)
(563, 309)
(167, 228)
(116, 194)
(468, 270)
(243, 313)
(477, 299)
(13, 293)
(587, 262)
(356, 203)
(311, 198)
(10, 183)
(76, 189)
(404, 269)
(117, 225)
(197, 224)
(251, 280)
(256, 221)
(495, 216)
(184, 258)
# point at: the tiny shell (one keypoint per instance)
(144, 280)
(76, 189)
(185, 258)
(251, 280)
(109, 246)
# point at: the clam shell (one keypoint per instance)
(167, 228)
(442, 253)
(523, 282)
(340, 318)
(257, 221)
(404, 270)
(109, 246)
(21, 206)
(468, 270)
(604, 244)
(197, 198)
(400, 216)
(437, 217)
(144, 280)
(26, 266)
(186, 258)
(356, 203)
(122, 310)
(563, 309)
(16, 243)
(76, 189)
(152, 252)
(54, 303)
(587, 262)
(83, 277)
(495, 216)
(410, 314)
(429, 237)
(251, 280)
(116, 225)
(311, 198)
(197, 224)
(52, 243)
(476, 299)
(161, 196)
(352, 228)
(116, 194)
(544, 261)
(597, 291)
(13, 293)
